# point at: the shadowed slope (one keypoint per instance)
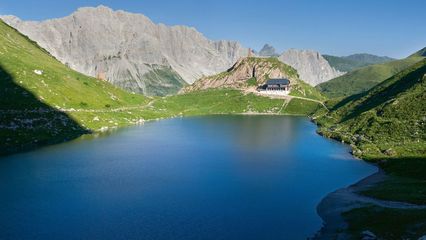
(36, 90)
(26, 122)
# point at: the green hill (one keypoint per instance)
(386, 125)
(44, 102)
(355, 61)
(365, 78)
(420, 53)
(389, 116)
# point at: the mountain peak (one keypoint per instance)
(10, 19)
(268, 51)
(100, 8)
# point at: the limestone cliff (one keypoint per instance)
(129, 50)
(312, 67)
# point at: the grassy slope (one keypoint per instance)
(389, 224)
(163, 81)
(356, 61)
(230, 101)
(58, 87)
(302, 89)
(388, 120)
(387, 125)
(365, 78)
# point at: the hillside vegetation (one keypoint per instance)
(386, 125)
(388, 120)
(42, 100)
(365, 78)
(355, 61)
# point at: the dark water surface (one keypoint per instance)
(219, 177)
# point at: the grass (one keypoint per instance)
(387, 121)
(300, 107)
(38, 100)
(162, 81)
(252, 82)
(401, 189)
(365, 78)
(218, 101)
(353, 62)
(406, 181)
(386, 224)
(302, 89)
(386, 125)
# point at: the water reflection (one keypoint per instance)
(266, 133)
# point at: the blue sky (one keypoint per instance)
(394, 28)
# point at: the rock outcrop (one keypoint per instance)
(246, 73)
(311, 66)
(129, 50)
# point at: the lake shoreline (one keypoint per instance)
(329, 208)
(332, 206)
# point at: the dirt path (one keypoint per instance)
(285, 103)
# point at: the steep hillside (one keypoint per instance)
(355, 61)
(249, 73)
(311, 66)
(365, 78)
(129, 50)
(386, 125)
(387, 121)
(43, 101)
(420, 53)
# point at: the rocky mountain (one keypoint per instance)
(363, 79)
(268, 51)
(312, 67)
(129, 50)
(355, 61)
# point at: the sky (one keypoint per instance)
(394, 28)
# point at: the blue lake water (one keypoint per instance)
(218, 177)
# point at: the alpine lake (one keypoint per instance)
(212, 177)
